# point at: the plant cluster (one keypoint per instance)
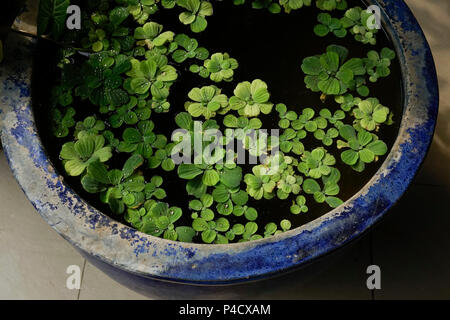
(331, 73)
(135, 62)
(355, 21)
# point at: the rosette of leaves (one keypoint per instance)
(196, 11)
(347, 101)
(96, 40)
(212, 231)
(139, 140)
(271, 229)
(151, 35)
(188, 49)
(159, 220)
(327, 25)
(237, 230)
(248, 212)
(333, 118)
(162, 157)
(370, 114)
(290, 141)
(259, 184)
(256, 143)
(356, 19)
(316, 163)
(153, 189)
(158, 101)
(251, 99)
(130, 113)
(249, 233)
(207, 102)
(62, 94)
(220, 67)
(361, 147)
(299, 205)
(290, 5)
(102, 81)
(62, 122)
(78, 155)
(262, 182)
(377, 65)
(122, 189)
(201, 207)
(330, 5)
(98, 179)
(152, 74)
(288, 183)
(106, 32)
(330, 73)
(243, 124)
(141, 10)
(271, 6)
(121, 40)
(327, 137)
(111, 139)
(238, 206)
(208, 172)
(306, 121)
(200, 70)
(285, 116)
(328, 191)
(190, 131)
(90, 125)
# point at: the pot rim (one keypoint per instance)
(132, 251)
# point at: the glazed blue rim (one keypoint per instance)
(125, 248)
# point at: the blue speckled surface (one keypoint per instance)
(122, 247)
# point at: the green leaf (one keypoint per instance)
(349, 157)
(333, 202)
(188, 171)
(251, 214)
(378, 147)
(200, 224)
(134, 162)
(185, 234)
(311, 186)
(209, 236)
(210, 177)
(311, 66)
(231, 177)
(52, 14)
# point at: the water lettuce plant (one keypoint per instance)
(331, 73)
(206, 102)
(327, 25)
(356, 20)
(361, 147)
(196, 11)
(251, 99)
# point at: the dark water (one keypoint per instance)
(268, 47)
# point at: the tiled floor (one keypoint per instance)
(411, 245)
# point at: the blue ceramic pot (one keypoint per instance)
(124, 249)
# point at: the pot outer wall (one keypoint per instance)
(130, 256)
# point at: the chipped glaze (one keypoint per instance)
(122, 247)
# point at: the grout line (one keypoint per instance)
(82, 278)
